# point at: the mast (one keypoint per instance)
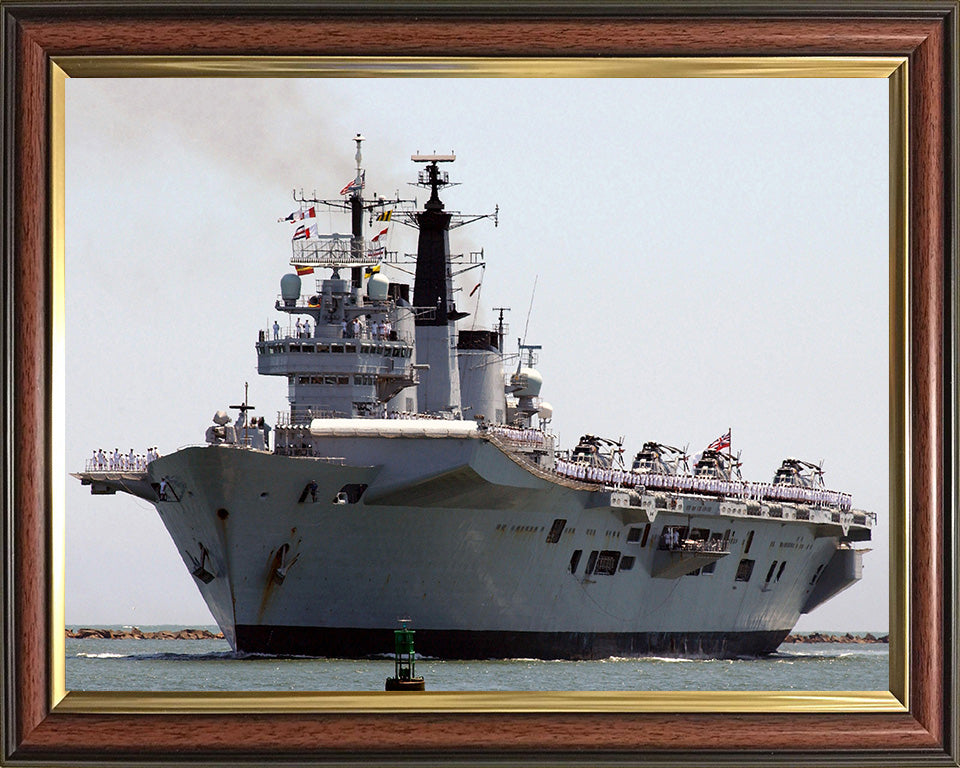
(332, 251)
(356, 215)
(436, 315)
(501, 327)
(431, 287)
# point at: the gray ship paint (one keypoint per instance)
(767, 231)
(473, 528)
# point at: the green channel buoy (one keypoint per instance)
(404, 678)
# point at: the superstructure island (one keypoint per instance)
(415, 475)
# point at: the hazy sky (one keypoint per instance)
(708, 254)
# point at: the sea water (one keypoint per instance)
(210, 665)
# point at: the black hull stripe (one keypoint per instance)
(464, 644)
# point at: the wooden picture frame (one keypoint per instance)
(38, 728)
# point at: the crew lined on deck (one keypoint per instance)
(114, 461)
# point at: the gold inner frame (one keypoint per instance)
(894, 69)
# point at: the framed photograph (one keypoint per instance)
(779, 295)
(51, 45)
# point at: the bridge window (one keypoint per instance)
(626, 562)
(780, 572)
(746, 548)
(633, 535)
(575, 560)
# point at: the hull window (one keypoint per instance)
(607, 563)
(745, 570)
(773, 567)
(646, 535)
(351, 493)
(591, 562)
(555, 530)
(816, 575)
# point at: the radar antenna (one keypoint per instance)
(244, 407)
(736, 464)
(432, 178)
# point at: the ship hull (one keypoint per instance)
(486, 556)
(347, 642)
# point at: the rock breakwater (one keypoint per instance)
(135, 633)
(821, 637)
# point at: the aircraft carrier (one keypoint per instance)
(415, 475)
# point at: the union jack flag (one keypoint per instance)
(720, 443)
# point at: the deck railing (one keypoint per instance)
(736, 489)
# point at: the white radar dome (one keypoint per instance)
(290, 288)
(546, 411)
(530, 382)
(221, 418)
(377, 287)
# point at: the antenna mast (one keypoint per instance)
(501, 328)
(530, 310)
